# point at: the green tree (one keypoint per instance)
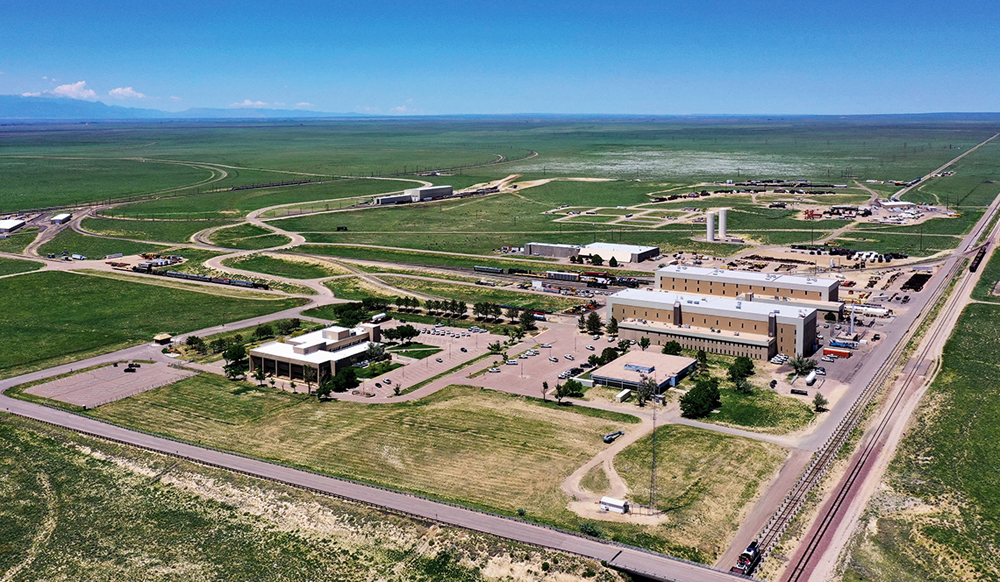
(819, 402)
(596, 260)
(573, 388)
(346, 379)
(702, 362)
(612, 327)
(647, 388)
(624, 346)
(581, 322)
(259, 375)
(375, 352)
(830, 316)
(308, 376)
(608, 355)
(743, 386)
(527, 321)
(801, 365)
(672, 348)
(512, 313)
(545, 388)
(495, 347)
(702, 399)
(643, 343)
(594, 360)
(613, 262)
(263, 330)
(594, 323)
(740, 369)
(235, 357)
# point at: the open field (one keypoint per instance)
(42, 182)
(935, 516)
(238, 203)
(419, 258)
(57, 317)
(356, 288)
(705, 481)
(248, 236)
(95, 247)
(472, 294)
(178, 231)
(283, 267)
(457, 444)
(911, 244)
(12, 266)
(84, 509)
(15, 243)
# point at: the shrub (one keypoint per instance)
(590, 529)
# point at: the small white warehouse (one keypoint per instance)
(428, 193)
(621, 253)
(62, 218)
(615, 505)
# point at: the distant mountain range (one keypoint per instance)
(16, 107)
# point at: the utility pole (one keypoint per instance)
(652, 473)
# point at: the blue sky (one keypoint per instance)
(511, 56)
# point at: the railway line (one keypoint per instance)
(823, 458)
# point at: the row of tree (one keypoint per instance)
(595, 260)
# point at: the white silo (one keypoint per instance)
(722, 223)
(710, 226)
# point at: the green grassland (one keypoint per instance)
(238, 203)
(705, 482)
(176, 231)
(764, 411)
(248, 236)
(94, 247)
(16, 242)
(969, 186)
(911, 244)
(988, 280)
(281, 267)
(74, 508)
(356, 289)
(419, 258)
(476, 447)
(936, 517)
(12, 266)
(54, 317)
(42, 182)
(473, 294)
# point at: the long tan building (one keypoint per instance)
(718, 325)
(732, 283)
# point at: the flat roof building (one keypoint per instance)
(61, 218)
(715, 324)
(10, 225)
(326, 351)
(394, 199)
(561, 251)
(630, 369)
(428, 193)
(732, 283)
(621, 253)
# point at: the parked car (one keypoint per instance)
(463, 349)
(388, 382)
(610, 438)
(597, 336)
(546, 345)
(511, 362)
(591, 348)
(438, 360)
(569, 357)
(494, 370)
(553, 359)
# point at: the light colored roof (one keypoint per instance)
(11, 223)
(287, 351)
(600, 246)
(696, 303)
(664, 366)
(557, 245)
(62, 216)
(162, 336)
(749, 277)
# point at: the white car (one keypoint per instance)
(523, 357)
(591, 348)
(546, 345)
(553, 359)
(569, 357)
(597, 336)
(511, 362)
(611, 340)
(494, 370)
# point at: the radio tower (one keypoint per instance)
(652, 473)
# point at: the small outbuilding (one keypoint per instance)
(10, 225)
(628, 371)
(163, 339)
(615, 505)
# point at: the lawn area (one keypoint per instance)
(55, 317)
(248, 236)
(458, 444)
(12, 266)
(77, 508)
(15, 243)
(94, 247)
(419, 258)
(988, 280)
(706, 482)
(292, 268)
(417, 351)
(176, 231)
(763, 411)
(475, 293)
(936, 515)
(884, 242)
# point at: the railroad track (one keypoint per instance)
(822, 459)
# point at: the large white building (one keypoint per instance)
(715, 324)
(428, 193)
(732, 283)
(326, 351)
(10, 225)
(621, 253)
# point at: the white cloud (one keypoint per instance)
(304, 104)
(401, 109)
(249, 103)
(39, 94)
(126, 93)
(175, 98)
(76, 90)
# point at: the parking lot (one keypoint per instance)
(104, 385)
